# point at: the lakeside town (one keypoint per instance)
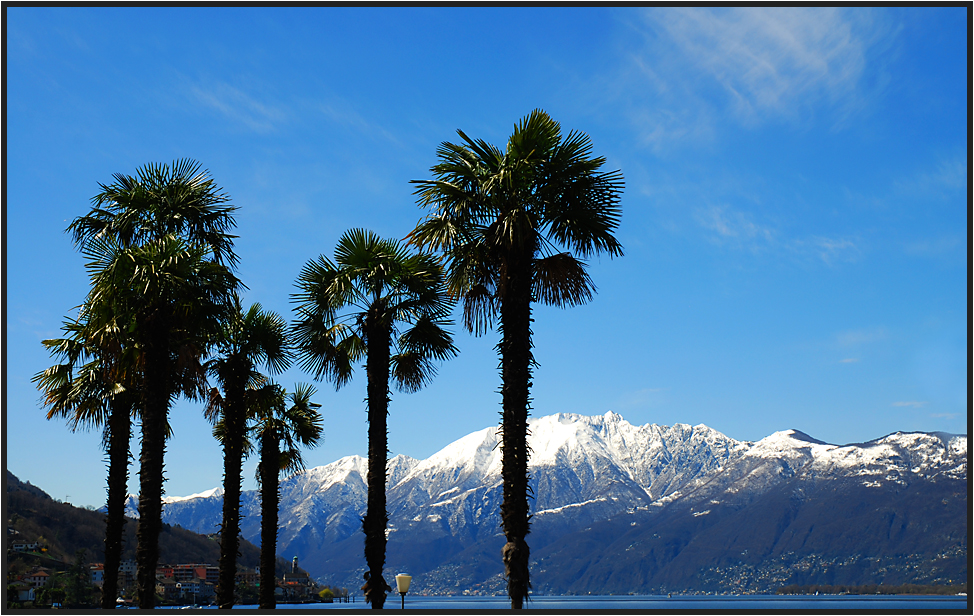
(176, 584)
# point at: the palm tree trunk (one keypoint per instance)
(516, 357)
(155, 409)
(118, 434)
(269, 497)
(378, 339)
(234, 418)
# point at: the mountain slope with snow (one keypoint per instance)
(585, 472)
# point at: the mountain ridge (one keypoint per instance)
(587, 472)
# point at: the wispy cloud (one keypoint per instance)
(942, 178)
(830, 250)
(849, 360)
(918, 202)
(944, 415)
(913, 403)
(238, 106)
(756, 64)
(935, 247)
(859, 337)
(344, 114)
(739, 229)
(731, 224)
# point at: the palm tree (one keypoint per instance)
(499, 217)
(291, 419)
(177, 216)
(179, 199)
(245, 340)
(100, 392)
(175, 295)
(378, 285)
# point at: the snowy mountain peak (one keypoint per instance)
(583, 469)
(798, 435)
(213, 492)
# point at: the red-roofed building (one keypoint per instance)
(38, 578)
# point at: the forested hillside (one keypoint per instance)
(63, 529)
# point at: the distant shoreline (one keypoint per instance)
(874, 589)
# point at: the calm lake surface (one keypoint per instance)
(744, 603)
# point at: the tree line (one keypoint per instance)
(163, 319)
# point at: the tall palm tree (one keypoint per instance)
(100, 392)
(176, 295)
(245, 340)
(351, 308)
(181, 199)
(500, 217)
(178, 215)
(283, 422)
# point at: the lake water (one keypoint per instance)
(695, 603)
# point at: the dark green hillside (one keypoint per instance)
(799, 533)
(64, 529)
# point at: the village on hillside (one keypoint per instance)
(176, 584)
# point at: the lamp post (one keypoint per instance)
(402, 584)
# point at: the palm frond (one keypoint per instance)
(411, 371)
(214, 406)
(429, 337)
(161, 200)
(480, 310)
(389, 285)
(327, 350)
(561, 280)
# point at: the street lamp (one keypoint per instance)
(402, 583)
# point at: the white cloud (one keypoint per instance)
(738, 229)
(732, 224)
(849, 360)
(914, 403)
(770, 59)
(238, 106)
(755, 64)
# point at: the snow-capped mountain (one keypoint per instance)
(585, 471)
(588, 467)
(896, 459)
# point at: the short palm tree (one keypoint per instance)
(499, 218)
(351, 309)
(283, 422)
(96, 386)
(244, 340)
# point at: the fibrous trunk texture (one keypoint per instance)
(234, 420)
(378, 337)
(155, 408)
(119, 433)
(515, 352)
(269, 498)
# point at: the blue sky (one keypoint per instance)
(795, 216)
